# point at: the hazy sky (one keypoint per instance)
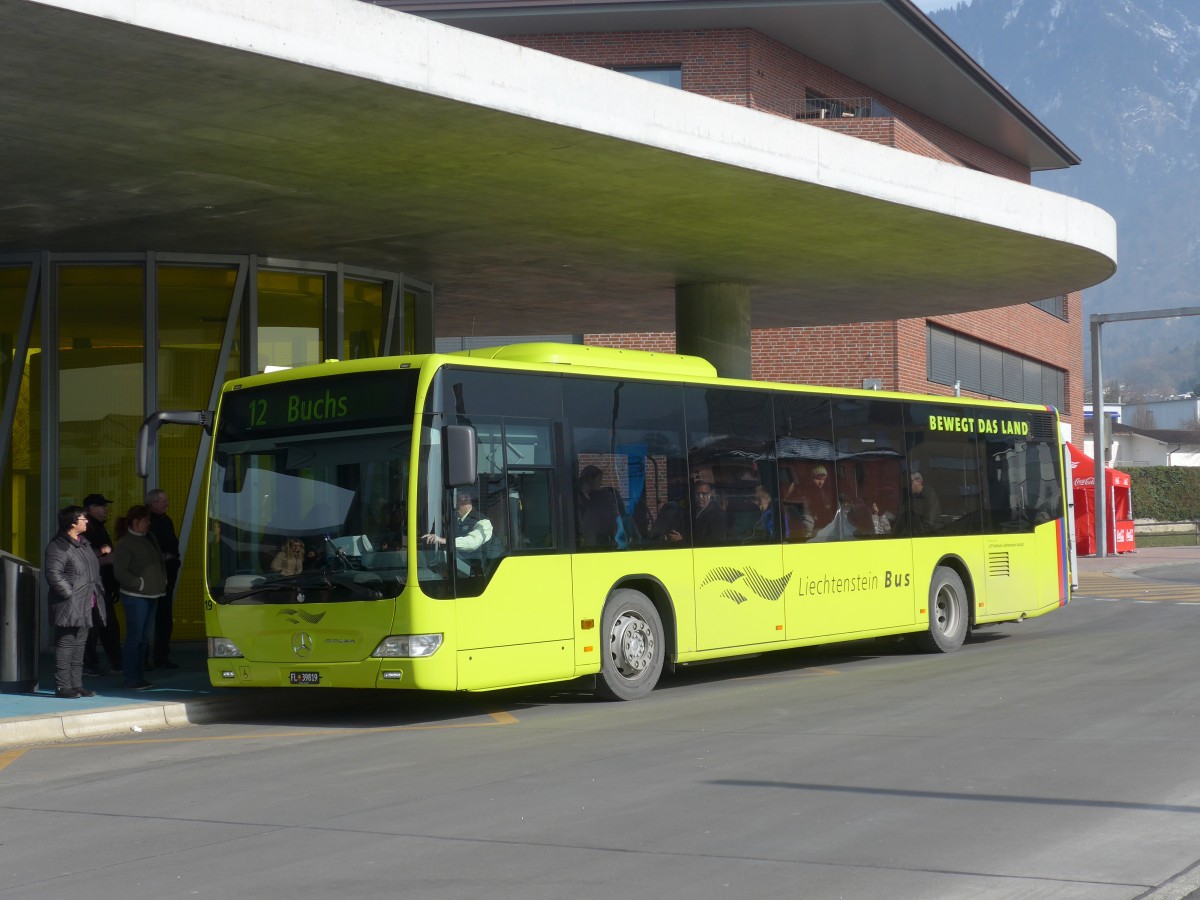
(931, 5)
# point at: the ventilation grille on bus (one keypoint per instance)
(998, 565)
(1042, 428)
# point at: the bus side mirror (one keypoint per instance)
(149, 429)
(460, 446)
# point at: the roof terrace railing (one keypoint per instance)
(839, 108)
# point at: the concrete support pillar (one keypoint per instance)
(712, 321)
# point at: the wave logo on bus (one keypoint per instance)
(766, 588)
(295, 615)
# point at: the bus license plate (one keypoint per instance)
(304, 677)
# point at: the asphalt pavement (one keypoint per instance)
(184, 696)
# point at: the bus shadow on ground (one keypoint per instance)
(760, 665)
(359, 709)
(367, 709)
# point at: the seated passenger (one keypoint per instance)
(881, 522)
(598, 510)
(821, 502)
(922, 511)
(765, 529)
(671, 524)
(290, 558)
(709, 525)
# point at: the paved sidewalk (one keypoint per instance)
(1129, 563)
(180, 697)
(183, 696)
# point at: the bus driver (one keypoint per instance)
(471, 528)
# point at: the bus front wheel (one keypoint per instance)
(948, 612)
(633, 646)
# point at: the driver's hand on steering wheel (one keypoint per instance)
(433, 539)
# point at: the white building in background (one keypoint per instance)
(1156, 415)
(1137, 447)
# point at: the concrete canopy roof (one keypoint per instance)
(539, 195)
(888, 45)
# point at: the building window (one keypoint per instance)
(1056, 306)
(974, 366)
(671, 76)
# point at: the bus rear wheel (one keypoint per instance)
(633, 646)
(948, 612)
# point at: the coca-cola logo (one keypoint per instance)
(1090, 481)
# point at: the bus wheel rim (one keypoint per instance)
(946, 611)
(631, 644)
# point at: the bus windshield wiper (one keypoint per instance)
(266, 587)
(293, 583)
(322, 580)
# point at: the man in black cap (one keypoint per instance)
(106, 630)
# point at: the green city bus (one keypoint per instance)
(542, 512)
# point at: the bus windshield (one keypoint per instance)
(309, 512)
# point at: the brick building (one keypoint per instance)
(1027, 351)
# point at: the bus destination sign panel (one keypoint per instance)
(362, 400)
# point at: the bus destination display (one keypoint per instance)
(349, 401)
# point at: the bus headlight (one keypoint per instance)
(407, 646)
(222, 648)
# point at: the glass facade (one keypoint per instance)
(20, 474)
(291, 315)
(100, 376)
(193, 311)
(98, 341)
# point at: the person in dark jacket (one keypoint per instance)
(709, 523)
(599, 509)
(921, 512)
(107, 632)
(163, 530)
(139, 567)
(73, 574)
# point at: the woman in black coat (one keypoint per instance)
(75, 588)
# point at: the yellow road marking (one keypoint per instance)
(9, 756)
(1105, 585)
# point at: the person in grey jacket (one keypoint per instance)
(73, 574)
(142, 573)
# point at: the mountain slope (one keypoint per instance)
(1119, 82)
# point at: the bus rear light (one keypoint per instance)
(222, 648)
(407, 646)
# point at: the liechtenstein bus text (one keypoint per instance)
(540, 513)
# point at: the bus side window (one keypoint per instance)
(630, 434)
(731, 459)
(804, 450)
(533, 495)
(869, 442)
